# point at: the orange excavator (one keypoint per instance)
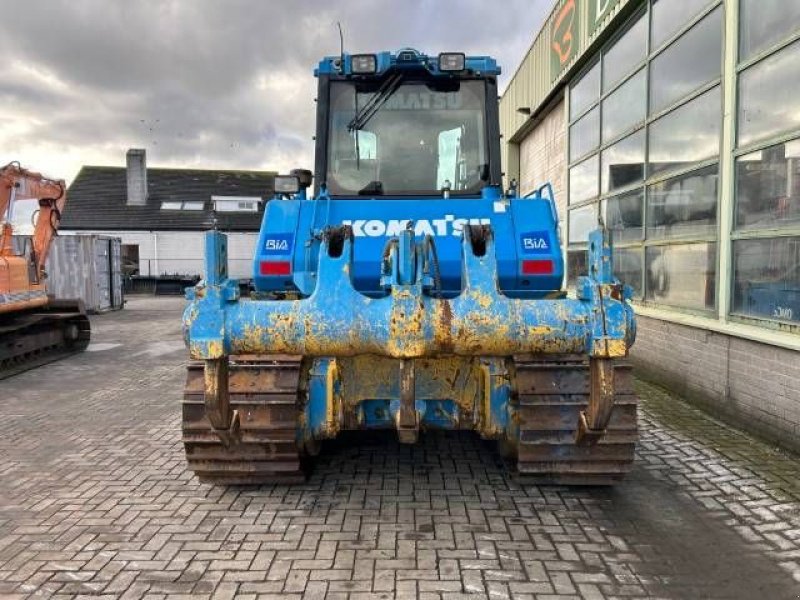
(34, 327)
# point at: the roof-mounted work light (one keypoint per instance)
(287, 184)
(364, 64)
(452, 61)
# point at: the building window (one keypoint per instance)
(682, 275)
(766, 278)
(236, 203)
(626, 107)
(584, 180)
(689, 62)
(584, 135)
(769, 96)
(623, 215)
(768, 187)
(577, 266)
(628, 268)
(669, 16)
(625, 53)
(764, 23)
(684, 206)
(584, 92)
(623, 163)
(582, 221)
(765, 243)
(687, 135)
(766, 268)
(654, 174)
(182, 205)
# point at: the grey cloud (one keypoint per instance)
(207, 82)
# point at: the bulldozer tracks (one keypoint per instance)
(551, 394)
(264, 390)
(32, 340)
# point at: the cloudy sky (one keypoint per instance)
(208, 83)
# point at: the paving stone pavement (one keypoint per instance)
(95, 502)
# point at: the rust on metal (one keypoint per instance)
(263, 390)
(594, 420)
(224, 421)
(553, 392)
(407, 419)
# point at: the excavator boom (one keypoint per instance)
(17, 184)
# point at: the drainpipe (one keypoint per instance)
(155, 255)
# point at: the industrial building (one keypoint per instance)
(161, 215)
(676, 124)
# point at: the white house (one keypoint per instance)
(162, 214)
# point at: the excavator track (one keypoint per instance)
(265, 390)
(29, 340)
(551, 394)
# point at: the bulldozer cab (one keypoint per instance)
(406, 128)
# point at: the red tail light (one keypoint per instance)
(537, 267)
(283, 267)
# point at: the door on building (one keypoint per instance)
(130, 259)
(116, 272)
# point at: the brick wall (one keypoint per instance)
(754, 385)
(543, 157)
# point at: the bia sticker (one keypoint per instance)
(535, 242)
(279, 243)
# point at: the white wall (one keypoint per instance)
(182, 252)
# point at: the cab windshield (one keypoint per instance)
(412, 138)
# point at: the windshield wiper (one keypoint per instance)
(384, 92)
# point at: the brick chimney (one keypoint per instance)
(137, 177)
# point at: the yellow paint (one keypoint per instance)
(609, 348)
(334, 407)
(206, 350)
(483, 299)
(366, 377)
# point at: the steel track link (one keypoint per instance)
(265, 392)
(26, 347)
(551, 394)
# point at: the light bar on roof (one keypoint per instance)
(452, 61)
(364, 64)
(287, 184)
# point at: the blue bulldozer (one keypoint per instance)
(400, 287)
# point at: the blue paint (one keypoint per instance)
(377, 293)
(336, 311)
(375, 220)
(319, 398)
(216, 318)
